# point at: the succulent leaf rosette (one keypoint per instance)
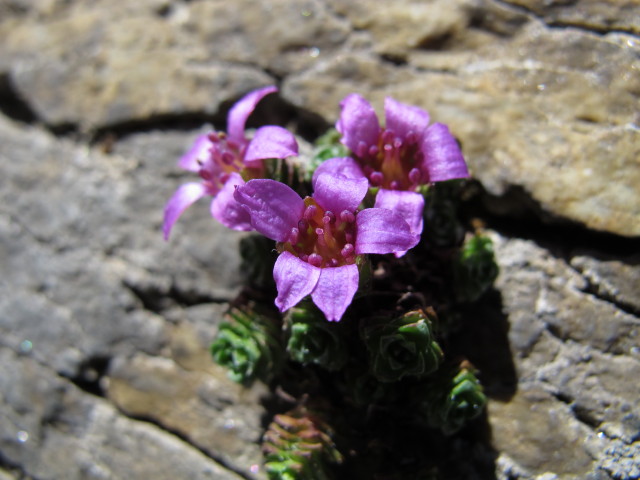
(298, 445)
(314, 340)
(248, 345)
(402, 347)
(475, 268)
(454, 397)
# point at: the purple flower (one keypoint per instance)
(399, 158)
(226, 160)
(320, 237)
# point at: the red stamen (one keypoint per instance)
(309, 212)
(329, 218)
(387, 137)
(315, 260)
(294, 236)
(227, 158)
(347, 250)
(361, 149)
(347, 216)
(415, 176)
(376, 179)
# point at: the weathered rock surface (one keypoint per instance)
(104, 328)
(576, 412)
(621, 15)
(535, 108)
(87, 284)
(547, 110)
(51, 429)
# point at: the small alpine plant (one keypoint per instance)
(399, 158)
(363, 345)
(224, 160)
(321, 237)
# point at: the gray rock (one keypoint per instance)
(188, 394)
(5, 475)
(68, 233)
(592, 14)
(90, 273)
(50, 430)
(617, 281)
(576, 398)
(92, 65)
(530, 115)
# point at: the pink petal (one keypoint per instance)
(182, 199)
(383, 231)
(273, 206)
(337, 192)
(239, 113)
(271, 142)
(443, 159)
(346, 166)
(409, 205)
(226, 210)
(358, 122)
(335, 290)
(197, 154)
(402, 118)
(294, 278)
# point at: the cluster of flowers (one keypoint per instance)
(370, 202)
(366, 189)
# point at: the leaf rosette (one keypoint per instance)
(404, 346)
(453, 398)
(248, 345)
(474, 269)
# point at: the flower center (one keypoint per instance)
(394, 162)
(224, 157)
(323, 238)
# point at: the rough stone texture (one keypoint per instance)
(188, 394)
(42, 436)
(90, 276)
(535, 108)
(91, 64)
(104, 328)
(621, 15)
(577, 407)
(612, 279)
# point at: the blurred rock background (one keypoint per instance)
(104, 327)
